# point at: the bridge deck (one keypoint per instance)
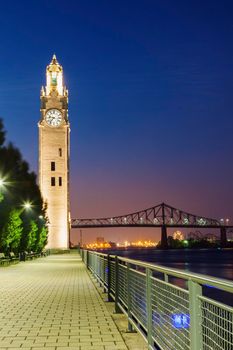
(51, 303)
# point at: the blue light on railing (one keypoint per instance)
(180, 321)
(209, 286)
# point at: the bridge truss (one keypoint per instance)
(162, 215)
(159, 215)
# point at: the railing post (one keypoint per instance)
(109, 278)
(117, 309)
(149, 308)
(130, 327)
(195, 290)
(96, 267)
(102, 271)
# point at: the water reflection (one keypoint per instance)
(217, 263)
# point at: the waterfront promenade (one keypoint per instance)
(51, 303)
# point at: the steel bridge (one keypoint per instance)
(162, 216)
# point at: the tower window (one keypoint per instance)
(53, 181)
(52, 166)
(54, 78)
(60, 152)
(60, 181)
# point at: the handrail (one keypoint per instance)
(220, 283)
(167, 316)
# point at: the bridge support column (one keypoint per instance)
(223, 236)
(164, 244)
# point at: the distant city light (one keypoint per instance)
(178, 235)
(125, 244)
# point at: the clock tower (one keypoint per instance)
(54, 152)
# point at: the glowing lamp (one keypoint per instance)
(27, 205)
(180, 321)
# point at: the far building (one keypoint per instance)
(54, 155)
(178, 235)
(100, 240)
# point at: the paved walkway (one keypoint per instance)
(51, 303)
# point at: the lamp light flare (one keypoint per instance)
(27, 205)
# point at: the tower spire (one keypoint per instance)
(54, 59)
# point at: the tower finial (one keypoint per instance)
(54, 59)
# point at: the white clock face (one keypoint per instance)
(53, 117)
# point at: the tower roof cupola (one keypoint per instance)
(54, 77)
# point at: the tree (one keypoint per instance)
(2, 140)
(21, 187)
(32, 236)
(2, 133)
(12, 231)
(29, 236)
(42, 238)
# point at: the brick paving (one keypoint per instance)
(51, 303)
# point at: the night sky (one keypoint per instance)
(150, 100)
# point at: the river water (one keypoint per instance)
(212, 262)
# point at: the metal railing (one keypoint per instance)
(169, 316)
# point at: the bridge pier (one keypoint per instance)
(164, 244)
(223, 235)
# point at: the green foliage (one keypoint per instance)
(2, 133)
(21, 187)
(29, 237)
(42, 238)
(12, 231)
(32, 236)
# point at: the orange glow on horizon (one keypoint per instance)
(125, 244)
